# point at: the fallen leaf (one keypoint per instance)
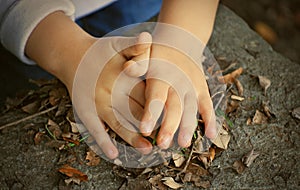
(178, 159)
(259, 118)
(54, 128)
(72, 179)
(230, 77)
(73, 173)
(197, 170)
(169, 181)
(202, 183)
(250, 157)
(156, 182)
(32, 107)
(56, 94)
(222, 139)
(267, 110)
(232, 106)
(264, 83)
(234, 97)
(93, 158)
(187, 177)
(239, 86)
(38, 137)
(248, 122)
(266, 32)
(296, 113)
(238, 166)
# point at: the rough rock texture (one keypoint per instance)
(25, 166)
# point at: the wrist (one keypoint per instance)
(57, 45)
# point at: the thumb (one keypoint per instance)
(138, 55)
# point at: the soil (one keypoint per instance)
(25, 165)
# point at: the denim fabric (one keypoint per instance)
(119, 14)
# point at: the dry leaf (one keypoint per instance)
(93, 158)
(169, 181)
(234, 97)
(178, 158)
(267, 110)
(239, 86)
(296, 113)
(250, 157)
(264, 83)
(32, 107)
(202, 183)
(38, 137)
(72, 179)
(259, 118)
(266, 32)
(230, 77)
(232, 106)
(238, 166)
(197, 170)
(187, 177)
(54, 128)
(73, 173)
(248, 122)
(222, 139)
(156, 182)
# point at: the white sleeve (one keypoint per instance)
(18, 18)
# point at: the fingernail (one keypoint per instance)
(112, 154)
(187, 140)
(146, 127)
(165, 142)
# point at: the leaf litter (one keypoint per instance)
(185, 165)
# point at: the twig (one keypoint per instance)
(27, 118)
(187, 162)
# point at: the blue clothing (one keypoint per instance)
(119, 14)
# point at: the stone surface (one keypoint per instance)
(24, 165)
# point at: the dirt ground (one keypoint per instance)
(25, 165)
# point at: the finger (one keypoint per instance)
(125, 130)
(189, 120)
(97, 130)
(138, 93)
(156, 95)
(207, 113)
(139, 55)
(172, 117)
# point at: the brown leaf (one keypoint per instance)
(296, 113)
(73, 173)
(266, 32)
(248, 122)
(93, 158)
(222, 139)
(202, 183)
(187, 177)
(38, 137)
(197, 170)
(238, 98)
(54, 128)
(230, 77)
(32, 107)
(169, 181)
(239, 86)
(232, 106)
(238, 166)
(178, 158)
(259, 118)
(264, 83)
(56, 94)
(267, 110)
(250, 157)
(72, 179)
(156, 182)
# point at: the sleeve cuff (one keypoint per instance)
(23, 18)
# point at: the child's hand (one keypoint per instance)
(179, 84)
(112, 92)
